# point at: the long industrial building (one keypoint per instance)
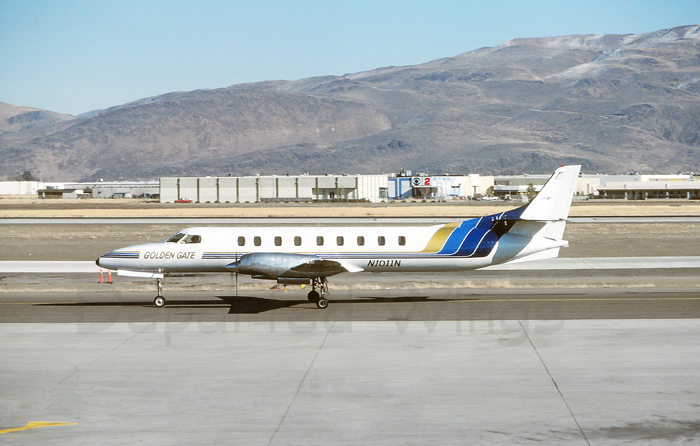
(371, 188)
(367, 188)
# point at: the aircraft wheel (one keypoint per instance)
(159, 301)
(313, 296)
(322, 303)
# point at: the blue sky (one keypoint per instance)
(74, 56)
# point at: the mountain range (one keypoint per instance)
(613, 103)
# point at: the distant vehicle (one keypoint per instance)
(184, 200)
(308, 255)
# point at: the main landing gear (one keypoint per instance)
(159, 301)
(318, 297)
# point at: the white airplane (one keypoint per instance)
(308, 255)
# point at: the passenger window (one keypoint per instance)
(319, 240)
(340, 240)
(402, 240)
(360, 240)
(256, 241)
(241, 241)
(381, 241)
(297, 241)
(278, 241)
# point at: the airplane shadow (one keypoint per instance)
(242, 304)
(256, 305)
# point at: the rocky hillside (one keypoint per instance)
(614, 103)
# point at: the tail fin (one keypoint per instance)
(539, 225)
(552, 203)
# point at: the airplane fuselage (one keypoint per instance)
(358, 248)
(310, 254)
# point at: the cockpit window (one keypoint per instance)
(193, 239)
(184, 238)
(175, 238)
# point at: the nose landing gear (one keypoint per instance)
(159, 301)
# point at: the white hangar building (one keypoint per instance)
(257, 189)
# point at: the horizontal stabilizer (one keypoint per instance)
(542, 255)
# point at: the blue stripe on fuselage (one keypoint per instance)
(456, 239)
(474, 239)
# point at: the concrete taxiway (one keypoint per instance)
(339, 383)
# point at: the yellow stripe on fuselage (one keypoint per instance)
(440, 237)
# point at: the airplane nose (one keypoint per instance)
(97, 262)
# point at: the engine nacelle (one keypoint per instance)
(270, 265)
